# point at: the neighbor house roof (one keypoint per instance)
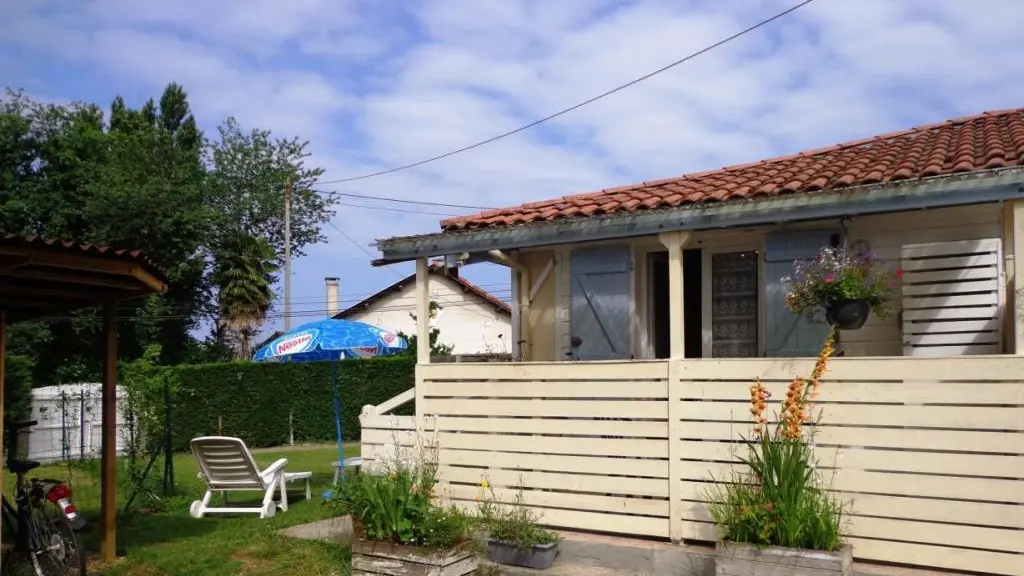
(435, 268)
(990, 140)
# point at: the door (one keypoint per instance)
(600, 307)
(786, 334)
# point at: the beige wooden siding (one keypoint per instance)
(884, 234)
(926, 451)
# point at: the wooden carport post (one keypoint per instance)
(108, 478)
(675, 241)
(3, 357)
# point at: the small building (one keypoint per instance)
(646, 311)
(469, 319)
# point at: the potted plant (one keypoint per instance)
(774, 515)
(847, 285)
(513, 536)
(399, 525)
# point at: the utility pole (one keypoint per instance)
(288, 255)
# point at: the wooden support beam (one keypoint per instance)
(3, 356)
(1016, 300)
(63, 278)
(675, 241)
(422, 311)
(108, 474)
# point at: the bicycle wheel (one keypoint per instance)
(60, 554)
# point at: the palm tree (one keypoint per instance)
(244, 273)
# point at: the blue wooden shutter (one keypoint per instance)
(786, 334)
(600, 302)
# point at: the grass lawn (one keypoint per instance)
(154, 541)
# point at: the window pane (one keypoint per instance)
(734, 305)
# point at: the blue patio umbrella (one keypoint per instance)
(333, 340)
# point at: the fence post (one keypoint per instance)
(291, 428)
(81, 424)
(675, 463)
(220, 425)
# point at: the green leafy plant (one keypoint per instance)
(511, 523)
(839, 274)
(777, 497)
(399, 505)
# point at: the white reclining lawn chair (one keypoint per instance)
(226, 465)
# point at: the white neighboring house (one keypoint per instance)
(470, 319)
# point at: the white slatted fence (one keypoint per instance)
(952, 295)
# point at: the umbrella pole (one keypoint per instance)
(337, 417)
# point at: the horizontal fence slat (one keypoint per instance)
(972, 369)
(970, 312)
(566, 408)
(548, 390)
(595, 471)
(969, 339)
(902, 507)
(933, 327)
(951, 275)
(545, 371)
(564, 500)
(904, 438)
(936, 556)
(911, 302)
(556, 445)
(565, 427)
(979, 393)
(934, 250)
(959, 287)
(968, 417)
(987, 465)
(854, 481)
(596, 521)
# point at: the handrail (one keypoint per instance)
(389, 405)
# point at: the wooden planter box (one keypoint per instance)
(387, 559)
(732, 559)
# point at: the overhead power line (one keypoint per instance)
(388, 209)
(577, 106)
(400, 200)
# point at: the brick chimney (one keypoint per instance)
(332, 285)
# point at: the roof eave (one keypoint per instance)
(944, 191)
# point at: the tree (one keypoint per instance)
(244, 274)
(437, 348)
(247, 187)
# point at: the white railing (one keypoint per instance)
(383, 433)
(929, 452)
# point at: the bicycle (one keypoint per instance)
(42, 523)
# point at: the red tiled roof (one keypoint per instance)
(987, 141)
(435, 268)
(69, 247)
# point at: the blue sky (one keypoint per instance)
(378, 83)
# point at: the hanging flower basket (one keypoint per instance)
(848, 314)
(847, 286)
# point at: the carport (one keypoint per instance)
(42, 278)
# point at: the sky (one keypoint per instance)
(374, 84)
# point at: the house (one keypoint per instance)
(646, 310)
(470, 319)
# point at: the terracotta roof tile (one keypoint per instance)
(69, 247)
(986, 141)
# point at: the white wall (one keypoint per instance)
(466, 322)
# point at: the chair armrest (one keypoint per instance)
(274, 469)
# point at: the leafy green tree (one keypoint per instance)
(244, 274)
(250, 171)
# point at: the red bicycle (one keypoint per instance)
(41, 524)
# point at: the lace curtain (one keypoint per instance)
(734, 305)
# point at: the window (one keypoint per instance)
(731, 321)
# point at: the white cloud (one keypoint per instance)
(379, 83)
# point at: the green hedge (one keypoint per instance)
(253, 401)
